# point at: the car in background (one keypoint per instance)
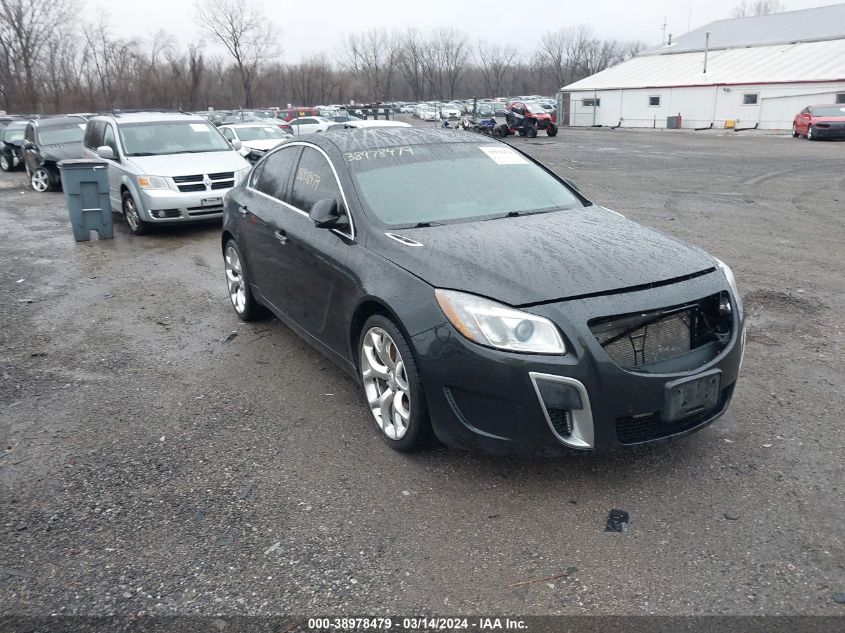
(164, 167)
(343, 118)
(610, 335)
(450, 111)
(11, 143)
(429, 113)
(46, 142)
(255, 139)
(288, 114)
(309, 125)
(820, 121)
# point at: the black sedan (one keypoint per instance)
(480, 299)
(47, 142)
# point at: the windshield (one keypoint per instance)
(13, 135)
(71, 133)
(533, 106)
(829, 111)
(405, 186)
(259, 133)
(171, 137)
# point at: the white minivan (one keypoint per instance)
(164, 167)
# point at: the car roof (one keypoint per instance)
(55, 121)
(357, 139)
(151, 117)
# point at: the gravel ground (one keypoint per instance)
(161, 457)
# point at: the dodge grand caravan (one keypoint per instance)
(164, 168)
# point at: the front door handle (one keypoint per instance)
(242, 210)
(281, 236)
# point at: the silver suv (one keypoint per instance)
(164, 168)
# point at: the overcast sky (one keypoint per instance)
(311, 27)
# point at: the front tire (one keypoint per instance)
(795, 131)
(5, 162)
(810, 136)
(392, 386)
(41, 180)
(133, 217)
(237, 282)
(551, 130)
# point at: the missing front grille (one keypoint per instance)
(645, 340)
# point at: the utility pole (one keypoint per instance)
(663, 28)
(706, 49)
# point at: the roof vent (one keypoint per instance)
(407, 241)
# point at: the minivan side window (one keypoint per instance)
(109, 139)
(94, 134)
(314, 181)
(274, 173)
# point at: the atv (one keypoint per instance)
(526, 119)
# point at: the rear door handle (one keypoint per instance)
(281, 236)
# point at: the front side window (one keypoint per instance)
(749, 98)
(405, 186)
(161, 138)
(274, 173)
(314, 181)
(61, 134)
(109, 139)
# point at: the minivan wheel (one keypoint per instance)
(392, 386)
(41, 180)
(237, 282)
(133, 219)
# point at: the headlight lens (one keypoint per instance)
(729, 275)
(152, 182)
(492, 324)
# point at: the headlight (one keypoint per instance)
(729, 275)
(152, 182)
(495, 325)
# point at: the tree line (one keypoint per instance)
(50, 62)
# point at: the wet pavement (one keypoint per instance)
(159, 456)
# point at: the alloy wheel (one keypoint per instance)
(235, 280)
(386, 383)
(40, 180)
(5, 165)
(130, 212)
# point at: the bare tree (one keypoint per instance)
(494, 62)
(750, 8)
(452, 50)
(27, 27)
(246, 34)
(372, 56)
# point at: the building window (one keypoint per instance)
(749, 98)
(654, 101)
(590, 103)
(840, 98)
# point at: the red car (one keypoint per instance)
(526, 118)
(820, 121)
(288, 114)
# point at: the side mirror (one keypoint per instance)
(105, 152)
(236, 145)
(572, 184)
(326, 214)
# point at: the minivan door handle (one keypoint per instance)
(242, 210)
(281, 236)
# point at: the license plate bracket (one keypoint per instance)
(211, 202)
(688, 396)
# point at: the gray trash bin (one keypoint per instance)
(86, 186)
(673, 122)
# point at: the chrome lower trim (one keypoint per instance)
(583, 434)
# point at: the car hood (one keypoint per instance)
(542, 257)
(189, 164)
(262, 145)
(61, 152)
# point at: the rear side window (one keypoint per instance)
(314, 181)
(274, 173)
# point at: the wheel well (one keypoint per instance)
(225, 238)
(362, 313)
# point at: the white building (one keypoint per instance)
(757, 71)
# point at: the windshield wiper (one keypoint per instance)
(142, 154)
(425, 225)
